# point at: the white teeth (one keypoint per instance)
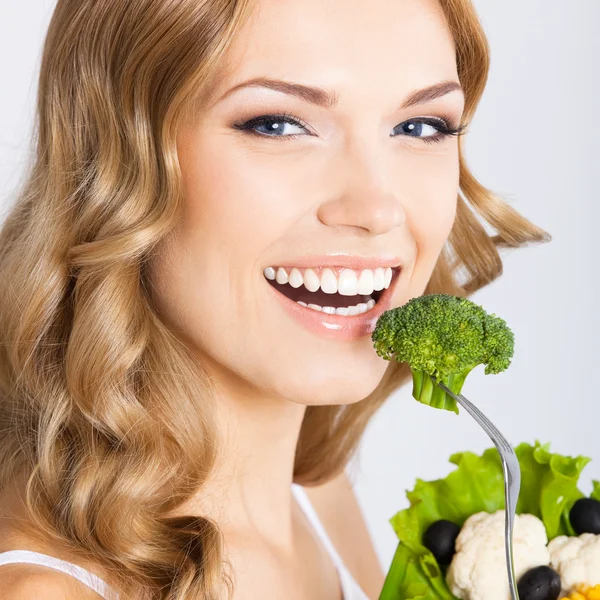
(329, 282)
(281, 276)
(388, 277)
(347, 283)
(296, 279)
(311, 281)
(345, 311)
(365, 283)
(379, 279)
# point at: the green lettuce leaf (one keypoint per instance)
(548, 491)
(596, 493)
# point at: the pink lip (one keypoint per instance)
(347, 261)
(338, 327)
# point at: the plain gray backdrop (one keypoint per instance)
(535, 142)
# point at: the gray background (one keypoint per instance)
(535, 142)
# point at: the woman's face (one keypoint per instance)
(347, 185)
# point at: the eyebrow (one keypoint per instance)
(327, 99)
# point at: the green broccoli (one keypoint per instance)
(444, 337)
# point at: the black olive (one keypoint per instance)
(440, 538)
(540, 583)
(585, 516)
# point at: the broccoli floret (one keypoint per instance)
(444, 337)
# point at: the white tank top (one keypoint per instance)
(350, 588)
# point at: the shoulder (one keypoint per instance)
(336, 506)
(24, 582)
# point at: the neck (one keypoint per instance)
(250, 488)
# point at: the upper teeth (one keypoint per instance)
(347, 283)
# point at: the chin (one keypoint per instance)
(341, 386)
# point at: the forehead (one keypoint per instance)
(374, 44)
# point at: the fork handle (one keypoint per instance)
(511, 485)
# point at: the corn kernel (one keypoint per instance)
(594, 593)
(583, 588)
(584, 592)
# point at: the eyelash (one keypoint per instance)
(442, 125)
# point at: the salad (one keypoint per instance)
(452, 535)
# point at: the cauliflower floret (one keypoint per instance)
(576, 559)
(478, 569)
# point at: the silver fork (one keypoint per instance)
(512, 479)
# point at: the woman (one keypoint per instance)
(225, 196)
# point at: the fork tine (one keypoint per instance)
(504, 442)
(489, 424)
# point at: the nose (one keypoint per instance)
(367, 199)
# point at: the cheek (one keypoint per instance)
(431, 222)
(237, 204)
(431, 210)
(233, 194)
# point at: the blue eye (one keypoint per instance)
(286, 126)
(278, 127)
(281, 126)
(427, 129)
(417, 129)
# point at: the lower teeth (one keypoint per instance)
(346, 311)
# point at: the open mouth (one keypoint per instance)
(332, 290)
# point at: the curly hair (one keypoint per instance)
(92, 381)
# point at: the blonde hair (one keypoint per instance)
(91, 380)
